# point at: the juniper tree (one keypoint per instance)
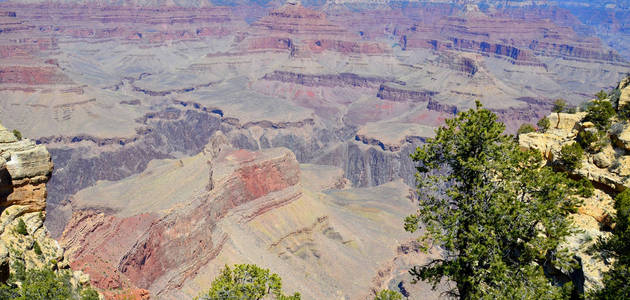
(617, 279)
(247, 282)
(494, 212)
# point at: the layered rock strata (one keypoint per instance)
(24, 240)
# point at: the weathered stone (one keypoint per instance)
(546, 143)
(6, 136)
(624, 98)
(568, 122)
(601, 160)
(24, 170)
(620, 133)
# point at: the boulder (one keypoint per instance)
(620, 133)
(25, 167)
(602, 160)
(6, 136)
(546, 143)
(568, 122)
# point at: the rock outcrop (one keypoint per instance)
(24, 240)
(606, 166)
(162, 246)
(25, 169)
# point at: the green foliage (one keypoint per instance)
(601, 95)
(388, 295)
(21, 227)
(592, 141)
(624, 112)
(571, 110)
(247, 282)
(617, 280)
(42, 284)
(600, 113)
(36, 248)
(17, 134)
(559, 106)
(584, 187)
(495, 212)
(89, 294)
(45, 284)
(587, 138)
(525, 128)
(543, 124)
(571, 156)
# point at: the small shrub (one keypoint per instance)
(89, 294)
(601, 95)
(559, 106)
(543, 124)
(36, 248)
(624, 112)
(388, 295)
(584, 187)
(17, 134)
(571, 156)
(600, 113)
(21, 227)
(525, 128)
(588, 139)
(571, 110)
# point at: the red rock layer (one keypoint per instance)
(159, 253)
(301, 30)
(147, 24)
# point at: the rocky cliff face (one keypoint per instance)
(25, 169)
(225, 205)
(606, 168)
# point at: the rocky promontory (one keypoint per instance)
(25, 243)
(604, 162)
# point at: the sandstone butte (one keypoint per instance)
(608, 170)
(25, 168)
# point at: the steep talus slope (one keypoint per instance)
(25, 168)
(606, 168)
(244, 206)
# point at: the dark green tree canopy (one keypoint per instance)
(497, 215)
(525, 128)
(617, 280)
(559, 106)
(600, 112)
(247, 282)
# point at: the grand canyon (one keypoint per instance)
(190, 134)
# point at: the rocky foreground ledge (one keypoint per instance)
(24, 170)
(608, 168)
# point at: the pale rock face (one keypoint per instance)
(620, 132)
(25, 168)
(602, 160)
(625, 92)
(568, 122)
(608, 168)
